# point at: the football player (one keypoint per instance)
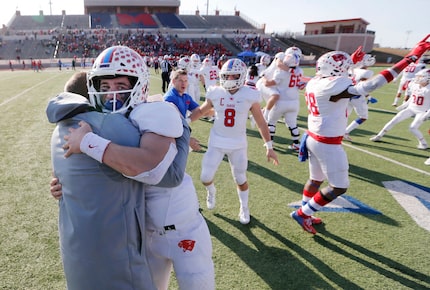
(417, 106)
(194, 77)
(209, 74)
(173, 223)
(327, 96)
(287, 102)
(360, 103)
(232, 101)
(408, 74)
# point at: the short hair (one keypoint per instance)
(77, 84)
(177, 73)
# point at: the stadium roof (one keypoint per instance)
(168, 3)
(341, 20)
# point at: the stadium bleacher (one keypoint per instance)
(75, 36)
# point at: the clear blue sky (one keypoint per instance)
(397, 23)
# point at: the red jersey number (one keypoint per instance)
(229, 115)
(312, 104)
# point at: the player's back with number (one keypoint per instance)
(327, 118)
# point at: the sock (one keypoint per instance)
(243, 197)
(352, 126)
(315, 204)
(211, 188)
(306, 196)
(266, 114)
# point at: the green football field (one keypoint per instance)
(376, 237)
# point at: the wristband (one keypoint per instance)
(94, 146)
(268, 145)
(188, 120)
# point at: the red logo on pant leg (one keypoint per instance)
(187, 245)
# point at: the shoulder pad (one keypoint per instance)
(162, 118)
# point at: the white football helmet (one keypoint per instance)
(233, 66)
(334, 63)
(294, 50)
(292, 56)
(207, 62)
(195, 61)
(113, 62)
(265, 59)
(422, 77)
(184, 63)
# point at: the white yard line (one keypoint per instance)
(27, 90)
(385, 158)
(381, 157)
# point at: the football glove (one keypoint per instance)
(372, 100)
(419, 49)
(358, 55)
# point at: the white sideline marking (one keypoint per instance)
(406, 195)
(25, 91)
(386, 158)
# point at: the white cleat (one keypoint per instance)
(422, 146)
(244, 216)
(375, 138)
(427, 162)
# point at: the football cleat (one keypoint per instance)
(244, 216)
(422, 146)
(294, 147)
(375, 138)
(427, 162)
(210, 200)
(347, 137)
(316, 220)
(305, 223)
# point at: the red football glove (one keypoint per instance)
(419, 49)
(358, 55)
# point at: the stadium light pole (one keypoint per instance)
(207, 7)
(407, 38)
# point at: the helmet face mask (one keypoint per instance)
(334, 63)
(291, 60)
(292, 56)
(195, 61)
(233, 67)
(113, 62)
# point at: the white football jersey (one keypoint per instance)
(287, 83)
(169, 206)
(210, 74)
(231, 116)
(419, 100)
(410, 71)
(326, 118)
